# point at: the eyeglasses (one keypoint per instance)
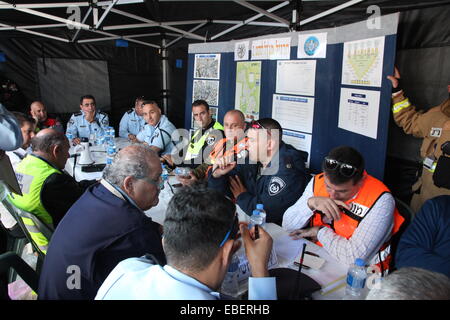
(89, 104)
(232, 232)
(345, 169)
(159, 183)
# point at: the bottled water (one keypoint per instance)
(110, 153)
(230, 285)
(183, 172)
(356, 279)
(164, 175)
(255, 219)
(262, 213)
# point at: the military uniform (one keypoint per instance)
(131, 123)
(79, 127)
(278, 186)
(434, 127)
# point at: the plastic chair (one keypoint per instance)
(47, 231)
(10, 260)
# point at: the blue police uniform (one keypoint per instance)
(79, 127)
(140, 279)
(130, 123)
(160, 136)
(277, 191)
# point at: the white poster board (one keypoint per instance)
(296, 77)
(293, 113)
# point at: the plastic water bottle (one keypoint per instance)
(110, 153)
(262, 213)
(164, 175)
(183, 172)
(255, 219)
(230, 285)
(356, 279)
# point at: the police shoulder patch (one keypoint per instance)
(130, 111)
(76, 114)
(210, 140)
(276, 185)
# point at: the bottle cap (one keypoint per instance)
(360, 262)
(260, 206)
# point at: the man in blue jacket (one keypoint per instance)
(105, 226)
(426, 242)
(275, 175)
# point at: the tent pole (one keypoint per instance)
(105, 13)
(182, 36)
(164, 60)
(330, 11)
(278, 6)
(83, 21)
(262, 11)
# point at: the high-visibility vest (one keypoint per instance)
(195, 147)
(31, 174)
(221, 150)
(371, 190)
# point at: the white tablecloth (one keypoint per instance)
(330, 276)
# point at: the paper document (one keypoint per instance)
(296, 77)
(293, 113)
(300, 141)
(358, 111)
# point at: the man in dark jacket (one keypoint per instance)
(105, 226)
(426, 242)
(274, 177)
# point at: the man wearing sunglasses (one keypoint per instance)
(347, 211)
(434, 127)
(106, 225)
(200, 238)
(88, 121)
(274, 177)
(132, 121)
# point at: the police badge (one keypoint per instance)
(276, 185)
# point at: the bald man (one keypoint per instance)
(47, 191)
(43, 120)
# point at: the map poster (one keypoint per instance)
(248, 88)
(363, 62)
(207, 66)
(207, 90)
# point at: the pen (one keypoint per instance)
(256, 231)
(303, 266)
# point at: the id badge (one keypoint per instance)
(429, 163)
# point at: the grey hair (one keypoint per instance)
(412, 284)
(132, 161)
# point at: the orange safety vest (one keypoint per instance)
(220, 150)
(371, 190)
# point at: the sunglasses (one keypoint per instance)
(256, 125)
(232, 232)
(345, 169)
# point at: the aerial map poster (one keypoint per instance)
(207, 66)
(363, 62)
(248, 88)
(207, 90)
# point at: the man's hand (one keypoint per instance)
(167, 158)
(305, 233)
(132, 137)
(236, 186)
(222, 166)
(395, 82)
(187, 181)
(76, 141)
(328, 206)
(257, 251)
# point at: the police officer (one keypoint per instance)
(43, 120)
(206, 136)
(434, 127)
(86, 122)
(157, 132)
(275, 177)
(132, 121)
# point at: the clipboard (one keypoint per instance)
(8, 176)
